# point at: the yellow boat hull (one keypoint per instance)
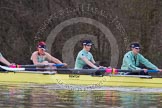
(74, 79)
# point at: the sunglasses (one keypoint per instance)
(137, 48)
(88, 45)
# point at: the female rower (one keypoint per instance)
(133, 60)
(84, 59)
(41, 57)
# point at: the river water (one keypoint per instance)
(54, 96)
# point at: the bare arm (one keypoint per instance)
(3, 60)
(89, 63)
(54, 60)
(93, 61)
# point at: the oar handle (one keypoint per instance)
(153, 71)
(58, 65)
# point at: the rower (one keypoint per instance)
(84, 59)
(133, 60)
(41, 57)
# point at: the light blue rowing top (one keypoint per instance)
(41, 59)
(131, 61)
(79, 63)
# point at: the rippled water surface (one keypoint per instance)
(46, 96)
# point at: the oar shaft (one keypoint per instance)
(153, 71)
(149, 71)
(65, 69)
(108, 70)
(120, 70)
(34, 66)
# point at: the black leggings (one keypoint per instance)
(137, 73)
(88, 67)
(93, 73)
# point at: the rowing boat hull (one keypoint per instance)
(74, 79)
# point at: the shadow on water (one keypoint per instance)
(47, 96)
